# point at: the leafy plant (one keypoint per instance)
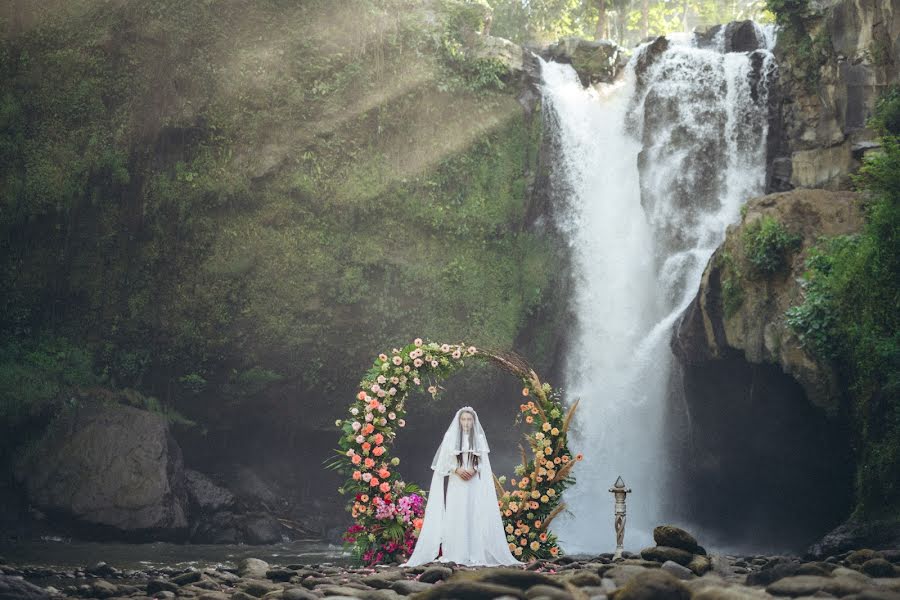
(767, 243)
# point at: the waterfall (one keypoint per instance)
(648, 172)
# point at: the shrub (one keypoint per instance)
(767, 243)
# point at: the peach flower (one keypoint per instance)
(357, 475)
(378, 450)
(356, 459)
(385, 487)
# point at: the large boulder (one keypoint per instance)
(205, 495)
(594, 61)
(109, 465)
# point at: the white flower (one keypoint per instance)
(337, 423)
(366, 477)
(350, 452)
(392, 415)
(417, 381)
(401, 423)
(356, 425)
(395, 380)
(397, 360)
(381, 379)
(456, 354)
(445, 348)
(382, 422)
(432, 390)
(418, 362)
(360, 439)
(381, 393)
(406, 368)
(382, 357)
(354, 411)
(472, 350)
(417, 341)
(375, 387)
(434, 364)
(369, 416)
(392, 391)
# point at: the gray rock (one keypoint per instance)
(253, 568)
(204, 494)
(878, 567)
(110, 465)
(654, 585)
(101, 569)
(186, 578)
(679, 571)
(257, 587)
(103, 589)
(700, 564)
(807, 585)
(622, 574)
(663, 553)
(15, 588)
(729, 593)
(239, 595)
(297, 593)
(770, 575)
(212, 595)
(342, 590)
(858, 557)
(469, 590)
(515, 578)
(675, 537)
(280, 574)
(435, 574)
(164, 595)
(585, 578)
(159, 585)
(406, 587)
(547, 591)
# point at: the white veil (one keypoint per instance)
(485, 522)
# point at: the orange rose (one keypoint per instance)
(364, 498)
(385, 487)
(417, 523)
(378, 451)
(361, 396)
(384, 473)
(357, 475)
(565, 458)
(379, 439)
(373, 482)
(366, 446)
(554, 550)
(546, 426)
(369, 463)
(556, 460)
(368, 428)
(356, 459)
(523, 541)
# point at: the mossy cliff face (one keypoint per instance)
(835, 58)
(770, 448)
(232, 207)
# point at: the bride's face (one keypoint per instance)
(466, 420)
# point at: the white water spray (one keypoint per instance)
(644, 206)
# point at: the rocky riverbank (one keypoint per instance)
(677, 568)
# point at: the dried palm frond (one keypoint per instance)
(568, 420)
(563, 472)
(546, 524)
(499, 487)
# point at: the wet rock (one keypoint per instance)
(622, 574)
(700, 565)
(213, 595)
(679, 571)
(585, 578)
(662, 554)
(858, 557)
(812, 568)
(772, 574)
(675, 537)
(808, 585)
(547, 591)
(204, 494)
(103, 589)
(312, 582)
(280, 574)
(101, 569)
(512, 577)
(253, 568)
(14, 588)
(730, 593)
(186, 578)
(159, 585)
(297, 593)
(407, 587)
(593, 61)
(654, 585)
(878, 567)
(469, 590)
(164, 595)
(435, 574)
(239, 595)
(342, 590)
(257, 587)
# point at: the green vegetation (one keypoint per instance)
(850, 315)
(805, 51)
(732, 291)
(207, 209)
(767, 244)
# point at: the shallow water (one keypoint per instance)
(69, 554)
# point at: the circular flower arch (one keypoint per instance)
(388, 512)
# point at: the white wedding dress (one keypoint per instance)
(466, 527)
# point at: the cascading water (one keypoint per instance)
(649, 172)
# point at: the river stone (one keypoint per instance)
(700, 564)
(508, 577)
(585, 578)
(279, 574)
(812, 568)
(342, 590)
(239, 595)
(729, 593)
(878, 567)
(210, 595)
(110, 465)
(851, 574)
(407, 587)
(858, 557)
(653, 585)
(14, 588)
(204, 494)
(547, 591)
(164, 595)
(679, 571)
(807, 585)
(772, 574)
(663, 553)
(435, 574)
(674, 537)
(311, 582)
(257, 587)
(253, 568)
(159, 585)
(468, 590)
(103, 589)
(186, 578)
(297, 593)
(622, 574)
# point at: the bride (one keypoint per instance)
(465, 527)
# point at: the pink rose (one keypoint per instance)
(392, 392)
(366, 477)
(369, 417)
(375, 387)
(381, 393)
(360, 439)
(356, 425)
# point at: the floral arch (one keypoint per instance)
(388, 511)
